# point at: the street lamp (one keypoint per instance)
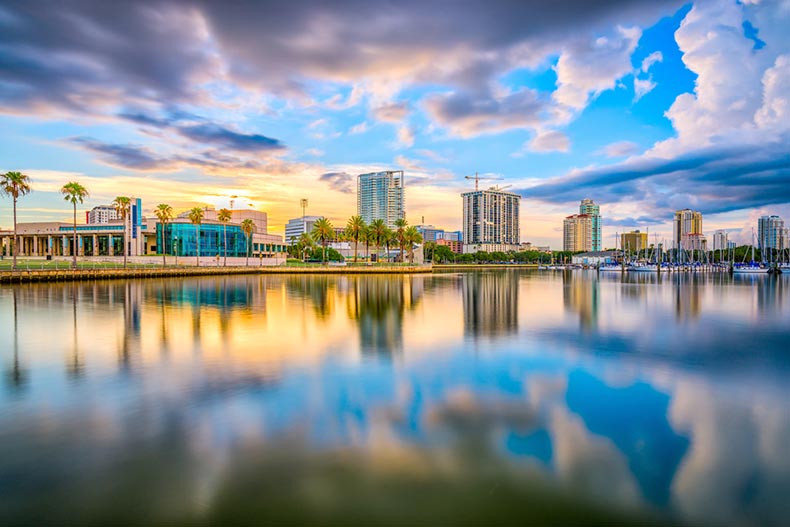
(175, 248)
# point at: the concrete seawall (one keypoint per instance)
(61, 275)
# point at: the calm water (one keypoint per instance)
(481, 396)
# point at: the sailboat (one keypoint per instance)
(752, 267)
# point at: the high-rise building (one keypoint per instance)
(577, 233)
(634, 241)
(430, 233)
(688, 229)
(102, 214)
(491, 220)
(296, 226)
(720, 241)
(589, 208)
(380, 196)
(771, 232)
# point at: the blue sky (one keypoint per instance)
(644, 107)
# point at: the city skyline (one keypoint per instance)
(647, 109)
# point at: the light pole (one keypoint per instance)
(175, 248)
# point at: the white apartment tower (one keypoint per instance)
(491, 220)
(380, 196)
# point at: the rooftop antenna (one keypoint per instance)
(303, 203)
(477, 179)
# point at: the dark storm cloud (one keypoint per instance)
(712, 180)
(137, 157)
(202, 131)
(86, 52)
(340, 181)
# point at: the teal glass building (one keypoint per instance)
(181, 239)
(589, 208)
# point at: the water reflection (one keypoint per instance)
(214, 399)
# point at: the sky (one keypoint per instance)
(645, 107)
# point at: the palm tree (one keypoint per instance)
(14, 184)
(122, 204)
(378, 233)
(248, 227)
(75, 193)
(195, 215)
(323, 232)
(164, 213)
(224, 217)
(412, 236)
(355, 231)
(401, 225)
(305, 241)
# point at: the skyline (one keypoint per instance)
(644, 109)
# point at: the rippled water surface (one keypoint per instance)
(502, 396)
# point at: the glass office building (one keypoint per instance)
(181, 239)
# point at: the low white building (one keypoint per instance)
(595, 258)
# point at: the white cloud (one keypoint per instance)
(619, 149)
(405, 136)
(549, 141)
(651, 59)
(642, 87)
(360, 128)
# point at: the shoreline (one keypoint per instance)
(68, 275)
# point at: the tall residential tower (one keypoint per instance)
(589, 208)
(380, 197)
(688, 231)
(771, 232)
(491, 220)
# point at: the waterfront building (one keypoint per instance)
(296, 226)
(596, 258)
(633, 242)
(380, 196)
(771, 232)
(592, 210)
(529, 246)
(577, 233)
(102, 214)
(687, 228)
(145, 236)
(720, 241)
(491, 220)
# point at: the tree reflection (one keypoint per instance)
(75, 367)
(17, 376)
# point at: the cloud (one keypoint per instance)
(222, 137)
(405, 136)
(619, 149)
(339, 181)
(394, 112)
(549, 141)
(360, 128)
(642, 87)
(651, 59)
(466, 115)
(129, 156)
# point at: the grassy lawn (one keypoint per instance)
(37, 265)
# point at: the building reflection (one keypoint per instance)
(580, 295)
(490, 303)
(688, 295)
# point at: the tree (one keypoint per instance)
(305, 242)
(122, 205)
(443, 254)
(195, 216)
(248, 227)
(412, 236)
(164, 213)
(224, 217)
(355, 231)
(322, 233)
(377, 233)
(14, 184)
(401, 225)
(75, 193)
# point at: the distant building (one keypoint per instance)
(528, 246)
(577, 233)
(695, 242)
(592, 210)
(491, 220)
(595, 258)
(380, 196)
(296, 226)
(634, 241)
(720, 241)
(457, 236)
(102, 214)
(430, 233)
(456, 246)
(771, 233)
(687, 229)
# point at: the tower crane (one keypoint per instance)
(477, 178)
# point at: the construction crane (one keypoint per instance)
(477, 178)
(498, 188)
